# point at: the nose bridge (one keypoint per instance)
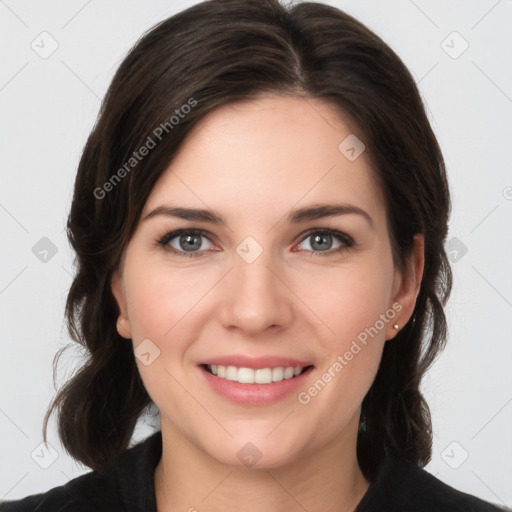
(255, 298)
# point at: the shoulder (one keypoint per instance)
(91, 491)
(401, 486)
(124, 484)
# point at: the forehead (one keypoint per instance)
(267, 156)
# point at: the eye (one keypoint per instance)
(185, 242)
(189, 242)
(322, 241)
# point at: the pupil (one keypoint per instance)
(319, 238)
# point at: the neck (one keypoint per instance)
(324, 479)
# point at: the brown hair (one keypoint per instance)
(213, 53)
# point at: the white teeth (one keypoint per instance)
(288, 372)
(232, 373)
(262, 376)
(277, 374)
(259, 376)
(246, 375)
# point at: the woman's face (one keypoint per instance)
(267, 290)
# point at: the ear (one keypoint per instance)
(407, 287)
(123, 324)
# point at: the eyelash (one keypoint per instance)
(342, 237)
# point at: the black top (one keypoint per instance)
(127, 485)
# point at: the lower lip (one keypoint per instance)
(255, 394)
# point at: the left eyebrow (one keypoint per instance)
(327, 210)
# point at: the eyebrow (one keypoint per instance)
(297, 216)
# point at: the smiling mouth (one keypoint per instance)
(245, 375)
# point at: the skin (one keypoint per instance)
(253, 162)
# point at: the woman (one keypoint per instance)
(258, 217)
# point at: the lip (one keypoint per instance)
(255, 394)
(255, 362)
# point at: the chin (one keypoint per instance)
(256, 452)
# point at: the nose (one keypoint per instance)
(255, 297)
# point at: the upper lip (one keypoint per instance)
(242, 361)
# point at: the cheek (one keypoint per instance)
(162, 306)
(351, 302)
(348, 299)
(160, 300)
(165, 305)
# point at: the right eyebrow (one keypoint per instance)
(187, 214)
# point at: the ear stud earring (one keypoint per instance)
(395, 326)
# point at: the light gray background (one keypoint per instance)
(48, 107)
